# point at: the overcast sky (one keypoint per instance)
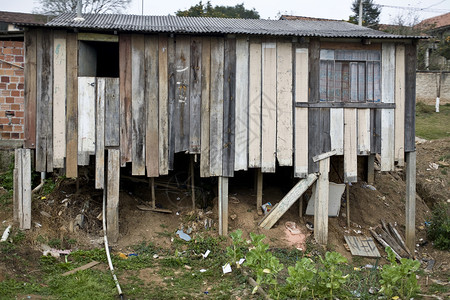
(332, 9)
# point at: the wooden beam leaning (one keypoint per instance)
(72, 106)
(30, 89)
(293, 195)
(410, 222)
(137, 105)
(399, 98)
(163, 86)
(301, 114)
(151, 104)
(242, 103)
(324, 155)
(112, 195)
(59, 98)
(100, 134)
(223, 205)
(206, 74)
(387, 115)
(321, 203)
(254, 109)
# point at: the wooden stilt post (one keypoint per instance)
(152, 188)
(300, 206)
(259, 190)
(223, 205)
(321, 203)
(371, 169)
(22, 188)
(410, 200)
(112, 190)
(192, 181)
(347, 191)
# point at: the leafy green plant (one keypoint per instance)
(235, 252)
(399, 279)
(331, 280)
(300, 281)
(439, 229)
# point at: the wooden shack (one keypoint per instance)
(239, 94)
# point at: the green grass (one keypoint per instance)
(431, 125)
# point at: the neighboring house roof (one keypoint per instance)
(289, 17)
(437, 22)
(14, 17)
(201, 25)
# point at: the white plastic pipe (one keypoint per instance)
(6, 234)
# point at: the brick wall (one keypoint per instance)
(11, 90)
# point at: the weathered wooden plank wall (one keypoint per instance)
(364, 131)
(59, 98)
(254, 110)
(410, 97)
(72, 106)
(314, 114)
(399, 123)
(195, 83)
(205, 106)
(163, 113)
(387, 115)
(86, 119)
(100, 134)
(172, 100)
(112, 112)
(350, 145)
(30, 89)
(125, 97)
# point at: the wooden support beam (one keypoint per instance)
(300, 206)
(259, 190)
(223, 205)
(321, 203)
(278, 210)
(112, 196)
(192, 181)
(347, 188)
(100, 135)
(371, 169)
(410, 201)
(324, 155)
(22, 188)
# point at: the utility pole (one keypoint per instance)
(360, 12)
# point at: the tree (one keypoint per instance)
(207, 10)
(371, 13)
(56, 7)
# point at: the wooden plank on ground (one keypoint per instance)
(112, 196)
(321, 203)
(138, 109)
(82, 268)
(30, 89)
(314, 114)
(337, 130)
(195, 95)
(26, 188)
(86, 119)
(362, 246)
(206, 76)
(399, 123)
(229, 112)
(350, 146)
(284, 129)
(125, 97)
(254, 109)
(242, 103)
(364, 131)
(163, 115)
(269, 107)
(112, 112)
(410, 96)
(216, 106)
(100, 134)
(44, 102)
(294, 194)
(181, 117)
(59, 98)
(172, 101)
(301, 114)
(387, 115)
(72, 106)
(151, 103)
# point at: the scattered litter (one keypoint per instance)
(132, 254)
(233, 217)
(292, 227)
(233, 200)
(6, 234)
(45, 214)
(310, 226)
(356, 294)
(79, 221)
(189, 230)
(430, 266)
(373, 290)
(369, 186)
(266, 207)
(183, 235)
(187, 267)
(357, 231)
(206, 254)
(202, 270)
(177, 213)
(43, 198)
(206, 292)
(241, 261)
(155, 256)
(84, 267)
(37, 225)
(226, 268)
(123, 255)
(433, 166)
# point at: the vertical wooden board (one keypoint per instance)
(138, 109)
(195, 95)
(325, 140)
(26, 188)
(112, 194)
(44, 101)
(125, 98)
(337, 130)
(72, 106)
(216, 106)
(182, 100)
(354, 81)
(229, 99)
(387, 115)
(163, 114)
(254, 109)
(410, 207)
(206, 76)
(151, 99)
(301, 114)
(86, 119)
(59, 98)
(269, 107)
(375, 127)
(242, 104)
(399, 137)
(314, 114)
(17, 196)
(321, 203)
(350, 146)
(30, 89)
(284, 129)
(172, 104)
(363, 131)
(112, 112)
(410, 97)
(100, 134)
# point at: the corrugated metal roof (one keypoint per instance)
(200, 25)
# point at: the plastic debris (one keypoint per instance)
(370, 187)
(241, 261)
(202, 270)
(132, 254)
(155, 256)
(266, 207)
(183, 235)
(226, 268)
(205, 255)
(6, 234)
(292, 227)
(123, 255)
(310, 226)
